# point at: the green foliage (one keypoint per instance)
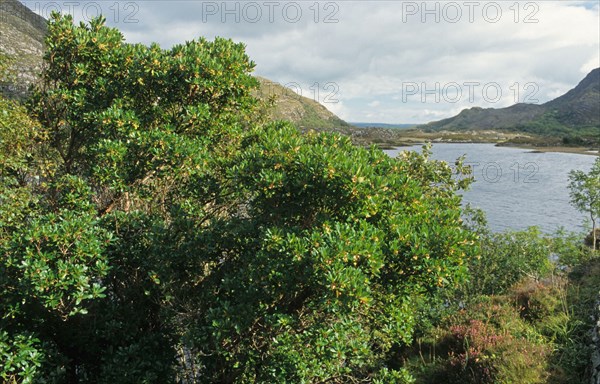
(490, 340)
(153, 229)
(547, 124)
(121, 128)
(571, 362)
(121, 112)
(388, 376)
(544, 305)
(569, 248)
(316, 276)
(518, 318)
(56, 258)
(585, 194)
(21, 358)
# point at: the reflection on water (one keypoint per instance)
(516, 187)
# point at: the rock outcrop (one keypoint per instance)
(22, 35)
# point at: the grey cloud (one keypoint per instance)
(373, 48)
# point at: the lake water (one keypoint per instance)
(516, 187)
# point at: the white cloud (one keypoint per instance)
(374, 51)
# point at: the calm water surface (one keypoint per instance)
(515, 187)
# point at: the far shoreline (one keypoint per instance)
(531, 148)
(533, 143)
(558, 148)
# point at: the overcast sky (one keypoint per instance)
(383, 61)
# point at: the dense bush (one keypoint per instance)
(153, 230)
(569, 249)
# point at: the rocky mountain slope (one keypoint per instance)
(22, 39)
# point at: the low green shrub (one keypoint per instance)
(504, 258)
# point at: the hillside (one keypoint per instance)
(574, 117)
(487, 118)
(303, 111)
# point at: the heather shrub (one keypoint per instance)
(489, 343)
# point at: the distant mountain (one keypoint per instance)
(574, 116)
